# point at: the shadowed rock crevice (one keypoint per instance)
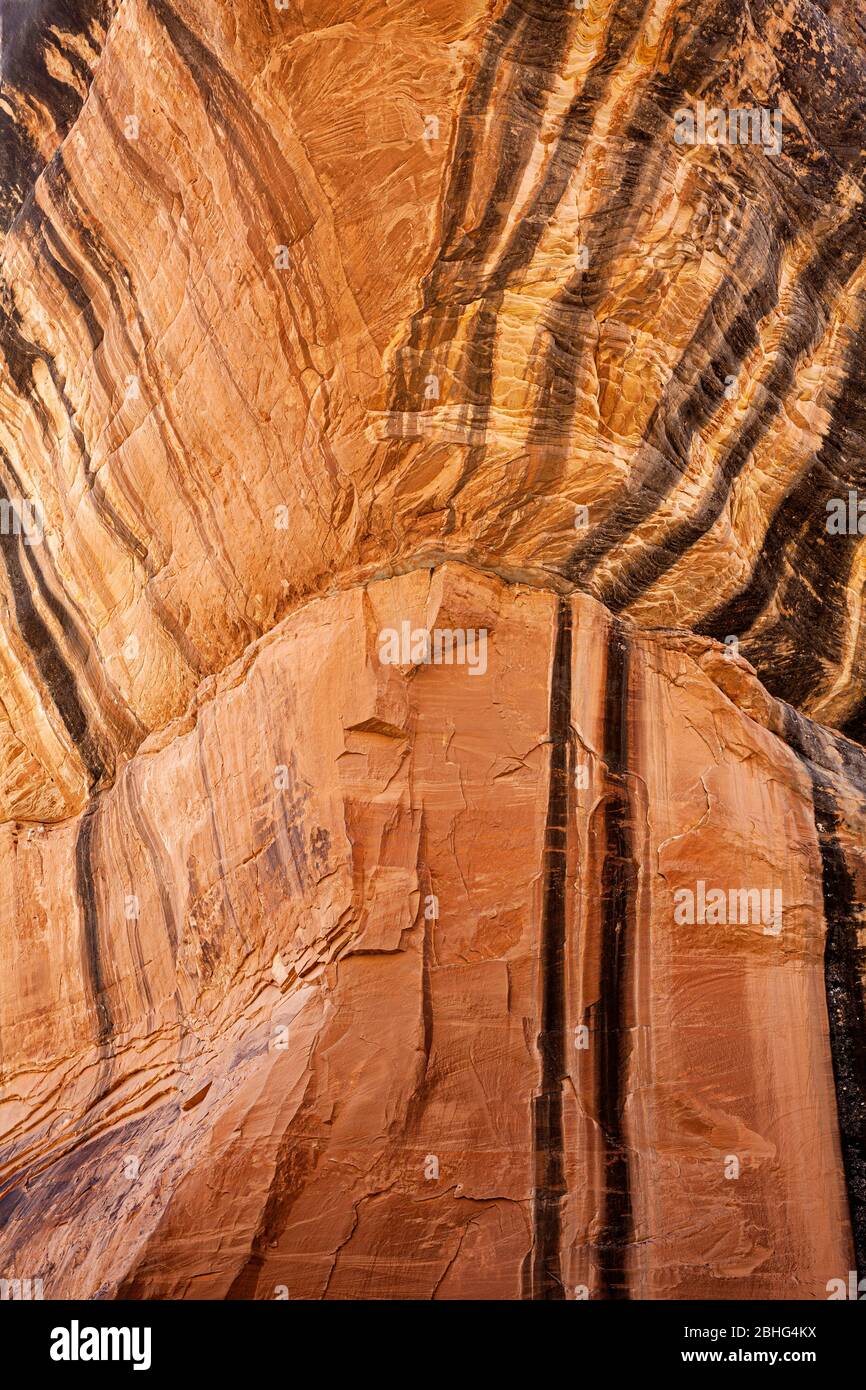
(617, 894)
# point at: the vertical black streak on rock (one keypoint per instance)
(31, 79)
(540, 50)
(671, 435)
(843, 976)
(844, 963)
(122, 721)
(548, 1141)
(683, 68)
(806, 323)
(523, 242)
(538, 32)
(617, 920)
(499, 37)
(57, 675)
(801, 567)
(90, 918)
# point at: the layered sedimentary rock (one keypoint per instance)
(533, 971)
(391, 1000)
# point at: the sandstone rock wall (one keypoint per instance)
(390, 998)
(330, 977)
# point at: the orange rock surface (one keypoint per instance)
(523, 966)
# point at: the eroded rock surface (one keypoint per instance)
(324, 975)
(310, 998)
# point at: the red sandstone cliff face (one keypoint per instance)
(328, 970)
(312, 1052)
